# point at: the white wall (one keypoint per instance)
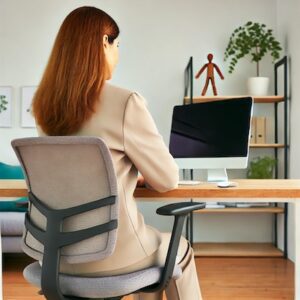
(288, 24)
(157, 39)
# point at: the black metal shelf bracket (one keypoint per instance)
(188, 80)
(282, 63)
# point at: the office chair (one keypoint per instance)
(73, 218)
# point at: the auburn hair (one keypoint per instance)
(75, 73)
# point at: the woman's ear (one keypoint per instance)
(105, 41)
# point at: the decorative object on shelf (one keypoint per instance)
(253, 131)
(258, 86)
(256, 40)
(261, 130)
(5, 106)
(262, 168)
(27, 119)
(210, 77)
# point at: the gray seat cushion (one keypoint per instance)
(12, 223)
(96, 287)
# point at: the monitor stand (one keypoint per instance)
(216, 175)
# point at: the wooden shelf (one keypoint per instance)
(266, 145)
(251, 210)
(236, 250)
(265, 99)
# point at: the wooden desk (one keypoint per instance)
(247, 190)
(281, 189)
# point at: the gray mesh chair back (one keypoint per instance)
(65, 172)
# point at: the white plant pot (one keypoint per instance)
(258, 86)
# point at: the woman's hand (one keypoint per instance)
(140, 181)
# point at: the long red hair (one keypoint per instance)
(75, 73)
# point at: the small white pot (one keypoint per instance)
(258, 86)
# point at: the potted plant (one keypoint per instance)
(261, 168)
(256, 40)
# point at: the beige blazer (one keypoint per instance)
(124, 122)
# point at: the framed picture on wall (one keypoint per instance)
(27, 119)
(5, 106)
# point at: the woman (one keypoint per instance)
(74, 98)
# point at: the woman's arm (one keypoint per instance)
(145, 146)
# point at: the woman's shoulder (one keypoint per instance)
(119, 93)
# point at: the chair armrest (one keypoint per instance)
(179, 211)
(180, 208)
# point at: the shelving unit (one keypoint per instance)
(265, 99)
(267, 145)
(240, 210)
(246, 249)
(237, 250)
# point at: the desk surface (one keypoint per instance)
(247, 188)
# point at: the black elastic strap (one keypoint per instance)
(68, 212)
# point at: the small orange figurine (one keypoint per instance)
(210, 74)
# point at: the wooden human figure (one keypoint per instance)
(210, 66)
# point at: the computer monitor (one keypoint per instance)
(212, 135)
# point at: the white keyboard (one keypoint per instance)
(189, 182)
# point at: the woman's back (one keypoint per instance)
(123, 121)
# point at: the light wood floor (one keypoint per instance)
(220, 278)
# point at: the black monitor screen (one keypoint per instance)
(211, 129)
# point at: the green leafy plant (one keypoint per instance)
(261, 168)
(3, 103)
(252, 39)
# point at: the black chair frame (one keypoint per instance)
(53, 239)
